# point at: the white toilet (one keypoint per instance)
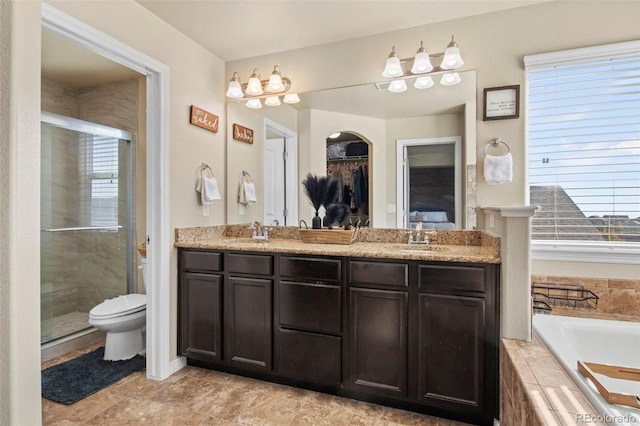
(124, 319)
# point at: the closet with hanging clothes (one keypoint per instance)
(348, 163)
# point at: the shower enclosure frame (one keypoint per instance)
(82, 126)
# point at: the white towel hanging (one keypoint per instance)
(247, 190)
(498, 169)
(207, 187)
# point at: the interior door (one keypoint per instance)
(274, 182)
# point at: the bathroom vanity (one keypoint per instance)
(414, 327)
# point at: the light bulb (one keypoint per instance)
(450, 79)
(393, 67)
(235, 89)
(398, 86)
(275, 81)
(421, 62)
(291, 98)
(272, 101)
(254, 104)
(254, 86)
(423, 82)
(452, 58)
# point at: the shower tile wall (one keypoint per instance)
(79, 270)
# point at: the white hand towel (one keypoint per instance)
(248, 193)
(208, 189)
(498, 169)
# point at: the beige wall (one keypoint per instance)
(196, 77)
(494, 44)
(19, 213)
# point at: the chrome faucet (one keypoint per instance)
(258, 231)
(418, 239)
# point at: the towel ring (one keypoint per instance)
(245, 174)
(495, 143)
(203, 168)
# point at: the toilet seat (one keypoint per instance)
(119, 306)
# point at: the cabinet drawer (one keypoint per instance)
(309, 356)
(311, 269)
(443, 278)
(382, 273)
(201, 260)
(249, 264)
(314, 307)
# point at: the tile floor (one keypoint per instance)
(196, 396)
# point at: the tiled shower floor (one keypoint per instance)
(64, 325)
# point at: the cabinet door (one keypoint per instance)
(248, 320)
(451, 351)
(201, 316)
(307, 356)
(378, 341)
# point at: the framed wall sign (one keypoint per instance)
(501, 103)
(204, 119)
(242, 134)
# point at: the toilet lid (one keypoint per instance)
(121, 305)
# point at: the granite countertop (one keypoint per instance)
(450, 246)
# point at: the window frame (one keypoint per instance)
(567, 250)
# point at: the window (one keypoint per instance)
(583, 133)
(99, 163)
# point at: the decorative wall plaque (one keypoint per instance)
(242, 134)
(204, 119)
(501, 103)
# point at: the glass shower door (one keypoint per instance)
(86, 238)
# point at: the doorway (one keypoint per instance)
(157, 238)
(429, 183)
(280, 160)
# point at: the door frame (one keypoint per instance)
(401, 173)
(291, 168)
(158, 363)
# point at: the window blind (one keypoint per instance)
(583, 133)
(99, 166)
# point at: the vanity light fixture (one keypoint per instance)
(256, 89)
(422, 64)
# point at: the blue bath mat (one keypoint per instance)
(78, 378)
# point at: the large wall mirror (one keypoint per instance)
(290, 141)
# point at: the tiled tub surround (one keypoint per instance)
(618, 299)
(453, 246)
(536, 391)
(572, 339)
(533, 385)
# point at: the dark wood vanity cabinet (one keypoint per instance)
(248, 322)
(458, 337)
(378, 349)
(226, 307)
(308, 306)
(419, 335)
(201, 316)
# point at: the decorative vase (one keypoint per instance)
(316, 222)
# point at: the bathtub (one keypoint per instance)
(571, 339)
